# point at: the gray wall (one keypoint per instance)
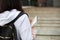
(56, 3)
(50, 3)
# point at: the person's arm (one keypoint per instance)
(26, 31)
(33, 30)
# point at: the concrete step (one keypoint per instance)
(48, 38)
(48, 22)
(47, 30)
(47, 25)
(49, 18)
(45, 14)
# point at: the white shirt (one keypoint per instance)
(22, 25)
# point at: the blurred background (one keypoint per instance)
(48, 13)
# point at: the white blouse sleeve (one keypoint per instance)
(26, 33)
(25, 29)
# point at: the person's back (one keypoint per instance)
(9, 10)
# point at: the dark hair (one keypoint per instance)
(10, 4)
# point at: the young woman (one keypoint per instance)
(9, 10)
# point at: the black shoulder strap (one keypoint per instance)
(19, 15)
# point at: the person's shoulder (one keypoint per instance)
(26, 14)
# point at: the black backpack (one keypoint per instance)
(8, 31)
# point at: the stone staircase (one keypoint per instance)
(48, 26)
